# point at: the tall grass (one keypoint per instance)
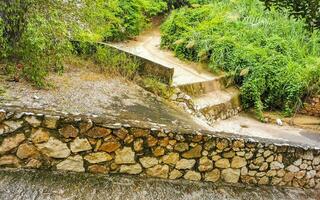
(273, 58)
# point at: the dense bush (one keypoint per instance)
(117, 19)
(306, 9)
(33, 37)
(273, 58)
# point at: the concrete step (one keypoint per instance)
(195, 89)
(219, 104)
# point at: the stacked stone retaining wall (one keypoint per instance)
(82, 144)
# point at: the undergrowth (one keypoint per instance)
(273, 58)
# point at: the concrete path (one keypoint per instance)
(246, 125)
(147, 45)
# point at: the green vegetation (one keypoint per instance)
(112, 61)
(307, 9)
(156, 87)
(36, 35)
(274, 59)
(31, 41)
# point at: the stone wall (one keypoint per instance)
(80, 144)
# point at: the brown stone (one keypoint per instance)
(128, 139)
(137, 132)
(40, 136)
(11, 142)
(27, 151)
(238, 162)
(109, 146)
(131, 169)
(248, 180)
(69, 131)
(85, 126)
(238, 144)
(138, 145)
(79, 145)
(195, 152)
(263, 181)
(158, 151)
(185, 164)
(192, 176)
(222, 144)
(164, 142)
(125, 156)
(213, 176)
(121, 133)
(300, 174)
(72, 163)
(10, 126)
(258, 160)
(205, 164)
(222, 163)
(271, 173)
(148, 162)
(54, 148)
(181, 147)
(98, 132)
(175, 174)
(50, 121)
(159, 171)
(230, 175)
(98, 157)
(229, 154)
(264, 167)
(9, 160)
(288, 177)
(276, 181)
(33, 121)
(33, 164)
(98, 169)
(171, 158)
(151, 141)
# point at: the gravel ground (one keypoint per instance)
(18, 185)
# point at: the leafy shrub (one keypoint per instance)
(35, 36)
(274, 59)
(307, 9)
(117, 19)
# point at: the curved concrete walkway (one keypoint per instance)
(147, 45)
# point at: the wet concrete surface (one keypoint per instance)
(40, 185)
(147, 45)
(244, 124)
